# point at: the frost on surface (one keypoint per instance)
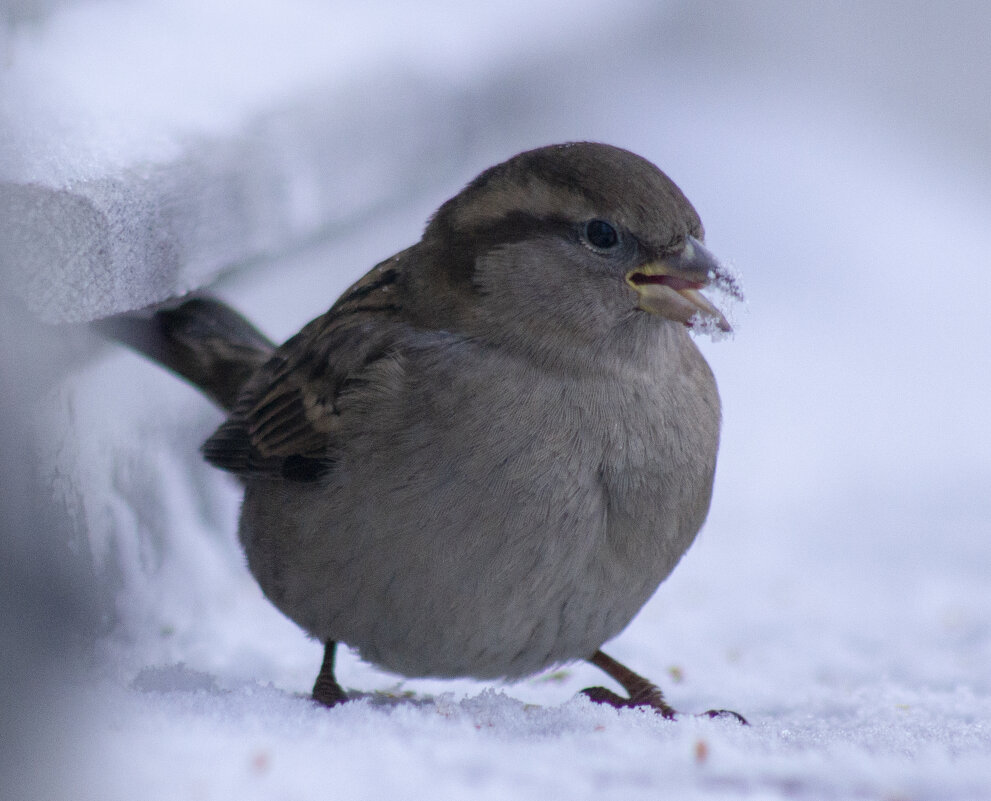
(838, 595)
(725, 292)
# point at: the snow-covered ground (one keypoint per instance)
(840, 593)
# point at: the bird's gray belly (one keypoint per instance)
(484, 553)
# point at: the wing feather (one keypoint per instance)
(286, 422)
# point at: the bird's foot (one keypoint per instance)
(649, 697)
(328, 693)
(642, 692)
(652, 698)
(725, 713)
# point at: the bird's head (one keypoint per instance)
(572, 239)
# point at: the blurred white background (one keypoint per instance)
(839, 595)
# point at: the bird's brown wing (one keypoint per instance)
(286, 420)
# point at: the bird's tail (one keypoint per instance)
(200, 338)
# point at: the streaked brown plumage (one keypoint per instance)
(490, 451)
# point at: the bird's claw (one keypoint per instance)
(328, 693)
(650, 698)
(725, 713)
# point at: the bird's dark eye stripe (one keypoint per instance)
(515, 226)
(466, 246)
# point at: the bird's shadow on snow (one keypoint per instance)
(198, 693)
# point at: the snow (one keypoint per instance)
(839, 594)
(147, 146)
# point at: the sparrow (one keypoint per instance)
(487, 455)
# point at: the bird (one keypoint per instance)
(488, 454)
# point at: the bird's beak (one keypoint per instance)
(670, 286)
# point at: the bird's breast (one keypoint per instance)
(604, 467)
(493, 518)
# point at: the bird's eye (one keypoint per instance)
(601, 234)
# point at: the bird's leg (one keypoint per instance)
(640, 691)
(326, 690)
